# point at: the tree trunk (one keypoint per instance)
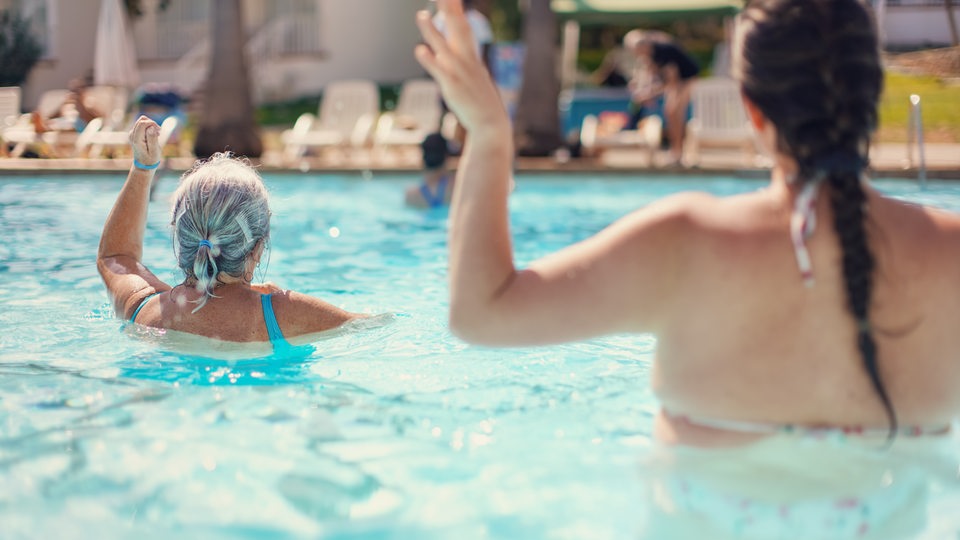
(537, 122)
(953, 23)
(227, 117)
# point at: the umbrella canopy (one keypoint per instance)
(114, 60)
(623, 11)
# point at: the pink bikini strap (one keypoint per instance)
(803, 222)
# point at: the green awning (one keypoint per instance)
(625, 11)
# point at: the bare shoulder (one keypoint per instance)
(919, 220)
(922, 236)
(666, 230)
(684, 209)
(303, 314)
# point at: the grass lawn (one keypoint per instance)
(940, 103)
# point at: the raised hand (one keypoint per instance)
(144, 140)
(453, 62)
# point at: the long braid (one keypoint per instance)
(848, 201)
(812, 67)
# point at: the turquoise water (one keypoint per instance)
(391, 430)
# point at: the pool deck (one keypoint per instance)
(888, 160)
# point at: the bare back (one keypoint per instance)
(237, 315)
(747, 340)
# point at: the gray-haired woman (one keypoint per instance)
(221, 223)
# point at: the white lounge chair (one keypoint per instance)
(719, 119)
(9, 112)
(94, 140)
(9, 105)
(62, 138)
(594, 140)
(345, 120)
(19, 130)
(417, 115)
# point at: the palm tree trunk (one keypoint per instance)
(537, 123)
(227, 116)
(953, 23)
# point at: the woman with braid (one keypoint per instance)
(814, 306)
(221, 226)
(811, 325)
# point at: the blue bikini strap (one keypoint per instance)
(273, 329)
(142, 303)
(437, 200)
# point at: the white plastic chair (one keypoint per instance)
(416, 116)
(9, 105)
(719, 119)
(346, 117)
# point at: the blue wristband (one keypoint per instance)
(141, 166)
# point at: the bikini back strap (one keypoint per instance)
(273, 329)
(142, 303)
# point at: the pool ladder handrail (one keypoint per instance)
(915, 133)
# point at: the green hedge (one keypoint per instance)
(285, 113)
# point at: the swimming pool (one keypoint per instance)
(393, 430)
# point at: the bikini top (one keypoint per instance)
(438, 199)
(772, 428)
(269, 317)
(803, 221)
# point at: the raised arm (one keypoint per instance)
(583, 291)
(121, 243)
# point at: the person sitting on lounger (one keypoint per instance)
(221, 227)
(675, 72)
(74, 113)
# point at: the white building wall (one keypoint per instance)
(372, 39)
(74, 24)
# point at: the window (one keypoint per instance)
(181, 27)
(294, 26)
(42, 17)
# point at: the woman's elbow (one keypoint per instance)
(477, 328)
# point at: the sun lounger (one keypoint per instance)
(719, 119)
(598, 135)
(417, 115)
(9, 105)
(345, 120)
(61, 137)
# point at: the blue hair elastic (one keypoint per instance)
(205, 242)
(144, 167)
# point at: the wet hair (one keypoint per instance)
(220, 214)
(435, 152)
(812, 67)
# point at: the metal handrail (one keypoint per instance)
(915, 132)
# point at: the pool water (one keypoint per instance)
(391, 429)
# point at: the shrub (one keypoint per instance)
(19, 49)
